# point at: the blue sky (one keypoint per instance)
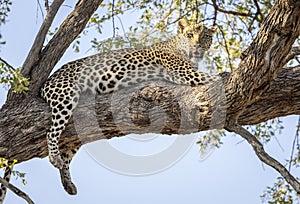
(231, 174)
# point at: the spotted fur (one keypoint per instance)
(173, 60)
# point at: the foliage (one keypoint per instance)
(21, 176)
(9, 75)
(211, 138)
(280, 193)
(4, 10)
(266, 130)
(4, 163)
(13, 78)
(208, 142)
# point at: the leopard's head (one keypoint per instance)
(197, 37)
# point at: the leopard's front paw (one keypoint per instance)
(57, 161)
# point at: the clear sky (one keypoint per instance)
(231, 174)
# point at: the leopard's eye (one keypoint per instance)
(190, 35)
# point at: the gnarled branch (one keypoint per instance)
(16, 190)
(263, 155)
(35, 50)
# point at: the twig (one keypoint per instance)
(215, 5)
(215, 16)
(262, 155)
(227, 49)
(255, 17)
(294, 143)
(258, 11)
(165, 17)
(47, 5)
(196, 9)
(280, 146)
(295, 51)
(123, 29)
(113, 18)
(8, 65)
(16, 191)
(37, 10)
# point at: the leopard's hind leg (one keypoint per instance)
(62, 106)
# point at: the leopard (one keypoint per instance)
(173, 60)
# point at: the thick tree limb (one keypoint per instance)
(30, 120)
(54, 50)
(265, 57)
(36, 49)
(284, 94)
(16, 191)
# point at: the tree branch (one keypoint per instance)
(33, 55)
(295, 142)
(42, 66)
(67, 32)
(284, 97)
(262, 155)
(7, 64)
(217, 8)
(16, 190)
(47, 5)
(295, 51)
(265, 57)
(130, 111)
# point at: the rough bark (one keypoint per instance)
(264, 156)
(16, 190)
(284, 97)
(265, 57)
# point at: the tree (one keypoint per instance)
(256, 82)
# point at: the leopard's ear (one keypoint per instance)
(182, 23)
